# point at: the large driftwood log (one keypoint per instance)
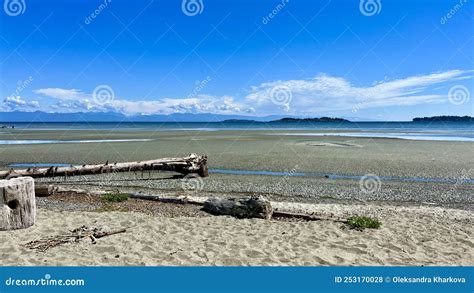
(196, 200)
(190, 164)
(253, 207)
(17, 203)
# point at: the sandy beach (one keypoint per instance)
(424, 222)
(420, 237)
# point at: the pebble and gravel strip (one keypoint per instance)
(299, 189)
(85, 202)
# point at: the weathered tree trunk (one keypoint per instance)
(190, 164)
(253, 207)
(17, 203)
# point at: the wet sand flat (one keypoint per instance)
(253, 150)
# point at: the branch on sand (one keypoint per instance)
(74, 237)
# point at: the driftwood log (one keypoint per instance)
(253, 207)
(196, 200)
(48, 190)
(307, 217)
(17, 203)
(186, 165)
(45, 190)
(178, 200)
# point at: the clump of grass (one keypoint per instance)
(115, 197)
(362, 222)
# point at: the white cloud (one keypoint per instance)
(16, 103)
(328, 93)
(72, 100)
(321, 94)
(74, 106)
(61, 94)
(199, 104)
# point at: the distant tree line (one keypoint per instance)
(444, 119)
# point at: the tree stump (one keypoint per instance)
(17, 203)
(253, 207)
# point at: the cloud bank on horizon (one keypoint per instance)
(309, 97)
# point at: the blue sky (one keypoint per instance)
(311, 58)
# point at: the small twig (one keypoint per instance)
(94, 240)
(104, 234)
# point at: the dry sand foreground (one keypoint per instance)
(409, 236)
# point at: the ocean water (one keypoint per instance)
(446, 136)
(45, 141)
(468, 126)
(442, 131)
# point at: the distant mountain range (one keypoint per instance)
(78, 117)
(38, 116)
